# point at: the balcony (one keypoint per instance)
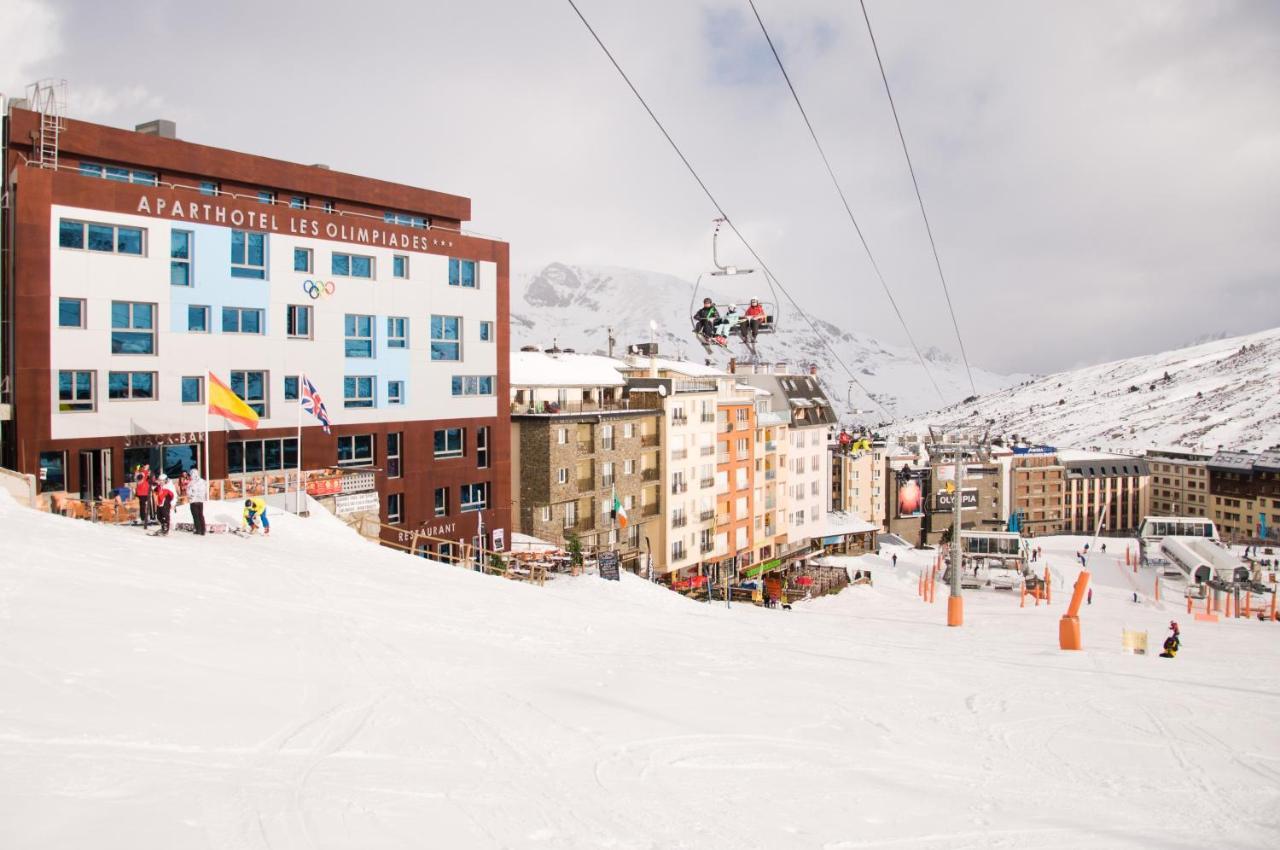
(679, 420)
(706, 451)
(650, 474)
(770, 474)
(706, 546)
(679, 521)
(707, 483)
(722, 458)
(678, 487)
(586, 483)
(679, 454)
(768, 503)
(707, 515)
(648, 441)
(649, 510)
(725, 427)
(708, 418)
(585, 446)
(770, 446)
(585, 524)
(723, 519)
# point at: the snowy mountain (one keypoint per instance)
(1221, 392)
(575, 305)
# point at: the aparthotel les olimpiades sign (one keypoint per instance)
(296, 222)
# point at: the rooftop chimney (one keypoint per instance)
(321, 165)
(161, 127)
(733, 365)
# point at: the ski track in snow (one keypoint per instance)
(310, 690)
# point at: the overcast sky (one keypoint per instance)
(1103, 178)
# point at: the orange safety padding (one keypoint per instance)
(1077, 597)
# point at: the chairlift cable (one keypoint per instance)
(845, 201)
(720, 210)
(919, 198)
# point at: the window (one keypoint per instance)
(570, 514)
(105, 238)
(71, 312)
(606, 474)
(252, 387)
(677, 550)
(449, 442)
(133, 328)
(297, 202)
(562, 475)
(75, 391)
(180, 257)
(297, 321)
(192, 389)
(482, 448)
(442, 501)
(399, 266)
(628, 430)
(208, 187)
(397, 332)
(473, 385)
(290, 387)
(328, 206)
(355, 450)
(395, 392)
(117, 173)
(357, 391)
(248, 254)
(486, 332)
(606, 437)
(198, 319)
(303, 260)
(462, 273)
(394, 508)
(266, 196)
(53, 471)
(446, 333)
(359, 330)
(475, 497)
(262, 455)
(242, 320)
(562, 436)
(628, 467)
(544, 513)
(404, 219)
(352, 265)
(131, 385)
(393, 454)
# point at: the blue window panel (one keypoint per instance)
(447, 351)
(257, 249)
(457, 385)
(444, 327)
(240, 271)
(143, 385)
(70, 313)
(361, 267)
(230, 321)
(115, 172)
(298, 203)
(357, 391)
(301, 260)
(359, 335)
(126, 342)
(486, 385)
(180, 244)
(397, 332)
(191, 390)
(208, 187)
(399, 266)
(145, 177)
(290, 387)
(248, 254)
(329, 206)
(486, 331)
(251, 321)
(129, 240)
(179, 274)
(265, 197)
(70, 233)
(89, 169)
(197, 319)
(395, 392)
(102, 237)
(297, 321)
(342, 264)
(462, 273)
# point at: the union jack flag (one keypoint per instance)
(313, 404)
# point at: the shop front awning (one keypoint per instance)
(763, 567)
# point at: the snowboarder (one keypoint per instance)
(752, 319)
(164, 496)
(895, 559)
(255, 510)
(1173, 642)
(142, 489)
(197, 492)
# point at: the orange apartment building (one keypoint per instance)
(735, 483)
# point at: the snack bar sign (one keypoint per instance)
(296, 222)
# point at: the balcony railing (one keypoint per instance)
(707, 515)
(586, 484)
(678, 487)
(770, 446)
(585, 445)
(650, 474)
(648, 441)
(706, 546)
(770, 474)
(679, 420)
(679, 454)
(649, 510)
(708, 418)
(707, 482)
(679, 521)
(722, 458)
(585, 524)
(607, 481)
(706, 451)
(723, 519)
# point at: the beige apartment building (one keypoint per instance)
(1179, 482)
(1036, 490)
(1116, 488)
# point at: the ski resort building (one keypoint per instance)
(1116, 488)
(735, 482)
(1034, 490)
(582, 437)
(1245, 492)
(141, 266)
(1179, 482)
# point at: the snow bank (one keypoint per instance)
(312, 690)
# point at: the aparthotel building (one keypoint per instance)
(1115, 488)
(1179, 482)
(1245, 491)
(141, 262)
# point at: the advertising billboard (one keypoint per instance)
(945, 502)
(911, 492)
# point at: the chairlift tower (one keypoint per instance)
(959, 450)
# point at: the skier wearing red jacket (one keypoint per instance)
(164, 496)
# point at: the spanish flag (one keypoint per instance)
(228, 405)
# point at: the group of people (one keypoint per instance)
(157, 494)
(710, 324)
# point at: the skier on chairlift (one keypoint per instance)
(752, 320)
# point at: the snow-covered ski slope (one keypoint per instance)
(312, 690)
(1225, 392)
(575, 305)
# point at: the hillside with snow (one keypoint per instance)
(1221, 392)
(311, 689)
(575, 305)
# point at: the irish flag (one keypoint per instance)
(618, 510)
(228, 405)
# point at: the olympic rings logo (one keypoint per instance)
(318, 288)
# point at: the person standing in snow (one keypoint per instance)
(197, 493)
(895, 559)
(255, 510)
(165, 495)
(142, 489)
(1089, 596)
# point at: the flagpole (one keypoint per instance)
(204, 455)
(298, 489)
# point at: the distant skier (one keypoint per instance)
(255, 511)
(164, 496)
(895, 559)
(1104, 548)
(197, 492)
(1173, 642)
(1089, 596)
